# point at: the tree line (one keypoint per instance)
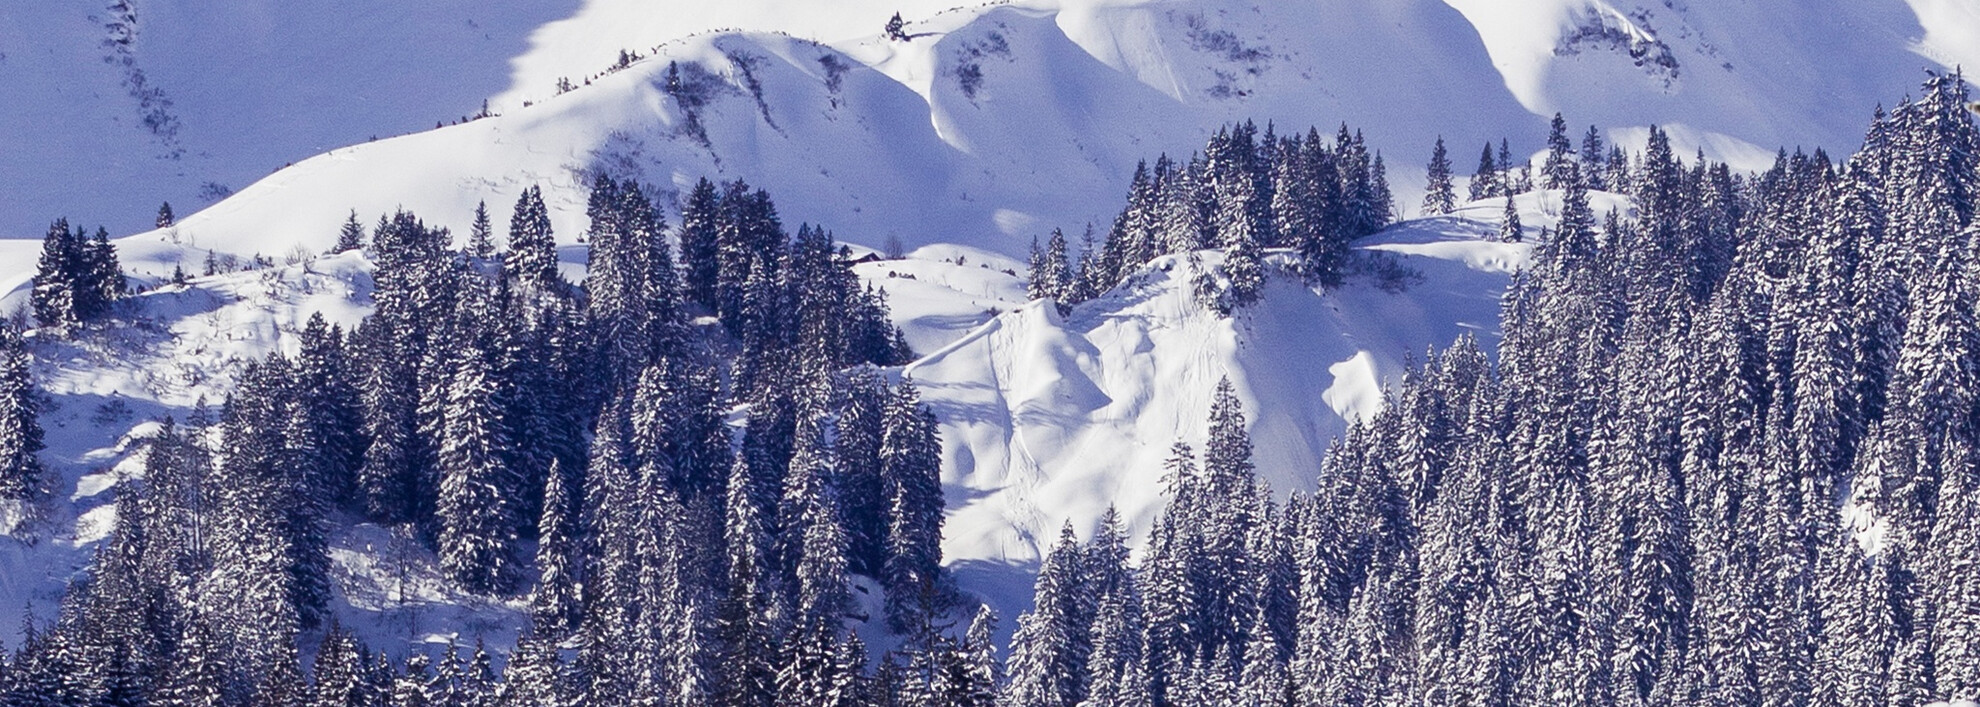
(1244, 193)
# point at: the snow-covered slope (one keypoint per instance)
(161, 354)
(223, 92)
(994, 124)
(1048, 418)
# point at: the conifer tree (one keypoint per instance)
(1485, 182)
(812, 672)
(20, 427)
(1441, 196)
(1510, 230)
(700, 229)
(911, 467)
(531, 259)
(477, 530)
(350, 237)
(1050, 652)
(481, 235)
(327, 423)
(554, 606)
(744, 646)
(1592, 158)
(1560, 153)
(56, 299)
(865, 510)
(1382, 200)
(1051, 272)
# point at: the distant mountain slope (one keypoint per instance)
(995, 123)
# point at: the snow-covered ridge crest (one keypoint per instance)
(992, 125)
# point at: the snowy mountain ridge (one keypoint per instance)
(918, 139)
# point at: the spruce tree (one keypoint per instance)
(1510, 230)
(1051, 273)
(911, 467)
(700, 229)
(1049, 654)
(1441, 196)
(531, 259)
(481, 235)
(1485, 182)
(1592, 158)
(1560, 154)
(744, 645)
(477, 531)
(350, 237)
(20, 427)
(554, 606)
(56, 299)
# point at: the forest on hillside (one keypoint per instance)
(1725, 454)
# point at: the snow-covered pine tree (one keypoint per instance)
(1050, 652)
(744, 645)
(328, 415)
(1264, 681)
(1140, 220)
(530, 260)
(864, 510)
(1440, 196)
(1382, 201)
(977, 656)
(555, 604)
(1114, 672)
(337, 676)
(102, 279)
(1560, 153)
(351, 236)
(1485, 182)
(1239, 230)
(1510, 229)
(55, 299)
(1506, 174)
(477, 522)
(1051, 272)
(1593, 168)
(910, 469)
(481, 235)
(21, 437)
(749, 243)
(533, 676)
(700, 227)
(812, 672)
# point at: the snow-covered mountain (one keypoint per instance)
(993, 123)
